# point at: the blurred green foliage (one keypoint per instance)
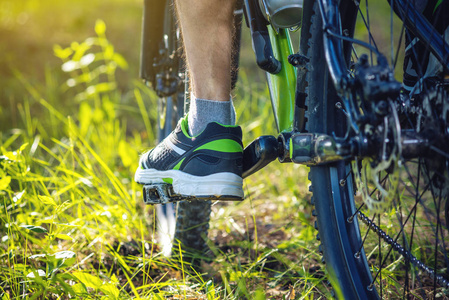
(30, 28)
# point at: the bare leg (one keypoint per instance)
(207, 31)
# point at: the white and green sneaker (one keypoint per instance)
(208, 165)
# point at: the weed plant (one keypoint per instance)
(73, 224)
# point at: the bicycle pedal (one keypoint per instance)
(162, 193)
(159, 193)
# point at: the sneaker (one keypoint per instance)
(209, 164)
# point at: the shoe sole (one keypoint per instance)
(214, 185)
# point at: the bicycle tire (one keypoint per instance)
(340, 233)
(322, 117)
(186, 221)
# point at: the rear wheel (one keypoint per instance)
(402, 250)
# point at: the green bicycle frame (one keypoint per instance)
(282, 85)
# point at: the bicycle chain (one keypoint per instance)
(406, 254)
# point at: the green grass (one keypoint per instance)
(73, 223)
(74, 119)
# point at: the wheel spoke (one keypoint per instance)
(398, 48)
(392, 35)
(380, 259)
(351, 218)
(408, 263)
(364, 238)
(436, 246)
(441, 152)
(367, 24)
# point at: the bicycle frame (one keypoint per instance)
(280, 85)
